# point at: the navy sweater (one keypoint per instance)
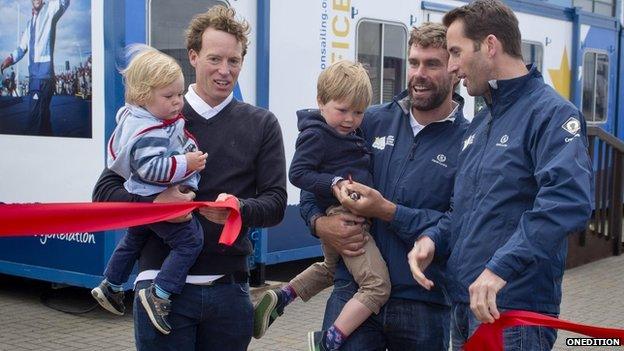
(246, 159)
(322, 154)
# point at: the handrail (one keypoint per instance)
(609, 138)
(607, 153)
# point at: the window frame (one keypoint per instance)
(537, 43)
(148, 19)
(381, 74)
(612, 3)
(595, 51)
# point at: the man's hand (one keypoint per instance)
(343, 232)
(483, 296)
(175, 194)
(369, 204)
(419, 259)
(217, 215)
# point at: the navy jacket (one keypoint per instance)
(321, 154)
(523, 185)
(416, 173)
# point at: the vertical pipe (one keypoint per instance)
(263, 29)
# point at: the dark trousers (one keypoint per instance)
(186, 241)
(41, 91)
(400, 325)
(215, 317)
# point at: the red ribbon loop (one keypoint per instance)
(489, 336)
(53, 218)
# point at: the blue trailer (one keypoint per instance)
(578, 49)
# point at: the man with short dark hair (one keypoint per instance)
(214, 311)
(523, 184)
(414, 140)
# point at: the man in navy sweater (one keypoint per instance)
(214, 311)
(523, 184)
(415, 140)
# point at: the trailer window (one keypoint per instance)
(168, 21)
(382, 49)
(595, 86)
(603, 7)
(533, 53)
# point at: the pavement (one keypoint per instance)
(30, 319)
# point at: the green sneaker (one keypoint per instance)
(269, 307)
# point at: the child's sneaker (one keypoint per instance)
(269, 307)
(110, 300)
(157, 309)
(316, 341)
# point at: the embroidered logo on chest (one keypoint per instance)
(381, 142)
(503, 141)
(440, 160)
(468, 141)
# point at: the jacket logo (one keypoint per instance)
(503, 141)
(440, 159)
(572, 125)
(467, 142)
(381, 142)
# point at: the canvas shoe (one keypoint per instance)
(269, 307)
(157, 309)
(110, 300)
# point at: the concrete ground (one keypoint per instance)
(592, 295)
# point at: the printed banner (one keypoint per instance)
(52, 218)
(489, 336)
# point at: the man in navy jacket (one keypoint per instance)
(523, 184)
(415, 140)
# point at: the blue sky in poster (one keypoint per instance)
(73, 33)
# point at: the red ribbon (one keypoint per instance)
(489, 336)
(31, 219)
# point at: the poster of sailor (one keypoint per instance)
(45, 65)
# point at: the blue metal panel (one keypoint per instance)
(263, 28)
(596, 20)
(539, 8)
(114, 43)
(434, 6)
(294, 254)
(50, 274)
(619, 119)
(290, 240)
(577, 58)
(290, 233)
(137, 22)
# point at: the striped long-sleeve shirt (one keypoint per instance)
(149, 152)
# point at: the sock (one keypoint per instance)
(114, 287)
(334, 338)
(161, 293)
(288, 293)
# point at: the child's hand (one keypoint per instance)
(196, 160)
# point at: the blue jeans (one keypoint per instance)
(464, 324)
(186, 241)
(400, 325)
(202, 317)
